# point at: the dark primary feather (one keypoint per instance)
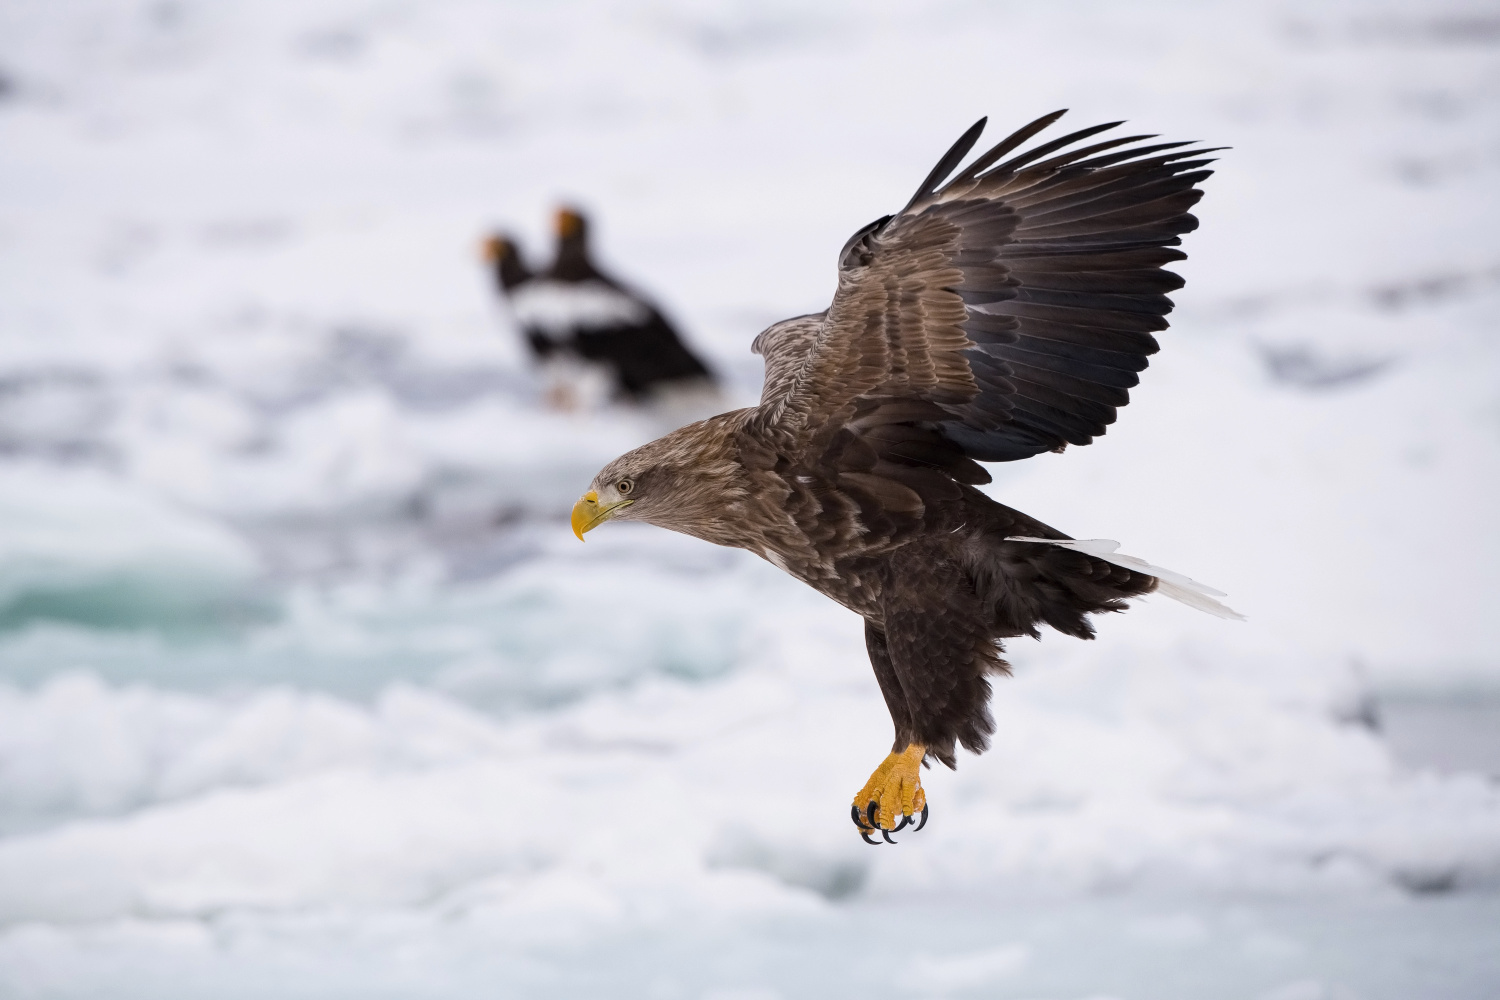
(948, 163)
(1021, 298)
(1007, 144)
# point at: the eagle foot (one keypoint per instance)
(892, 797)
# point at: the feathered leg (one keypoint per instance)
(890, 685)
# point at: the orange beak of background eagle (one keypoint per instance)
(588, 512)
(569, 222)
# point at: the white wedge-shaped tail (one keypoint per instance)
(1169, 584)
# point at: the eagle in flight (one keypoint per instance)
(1004, 312)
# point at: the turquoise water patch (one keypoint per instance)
(175, 607)
(524, 640)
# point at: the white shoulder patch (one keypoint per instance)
(1173, 585)
(559, 307)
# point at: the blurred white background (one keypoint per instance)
(305, 688)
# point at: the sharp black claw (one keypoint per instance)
(870, 812)
(923, 822)
(902, 825)
(887, 835)
(865, 836)
(854, 815)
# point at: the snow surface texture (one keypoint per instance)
(306, 690)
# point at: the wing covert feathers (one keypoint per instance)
(1169, 584)
(1021, 297)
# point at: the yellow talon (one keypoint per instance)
(895, 788)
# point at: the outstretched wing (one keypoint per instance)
(1009, 310)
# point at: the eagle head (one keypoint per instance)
(496, 248)
(688, 481)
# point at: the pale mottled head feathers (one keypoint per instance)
(691, 480)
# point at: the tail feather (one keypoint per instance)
(1170, 584)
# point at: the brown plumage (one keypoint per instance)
(999, 315)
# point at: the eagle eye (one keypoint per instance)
(624, 486)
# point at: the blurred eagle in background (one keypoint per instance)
(999, 315)
(578, 320)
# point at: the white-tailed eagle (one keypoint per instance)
(1004, 312)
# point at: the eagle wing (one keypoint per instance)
(785, 345)
(1007, 311)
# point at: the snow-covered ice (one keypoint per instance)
(306, 690)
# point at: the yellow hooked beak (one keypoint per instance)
(588, 512)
